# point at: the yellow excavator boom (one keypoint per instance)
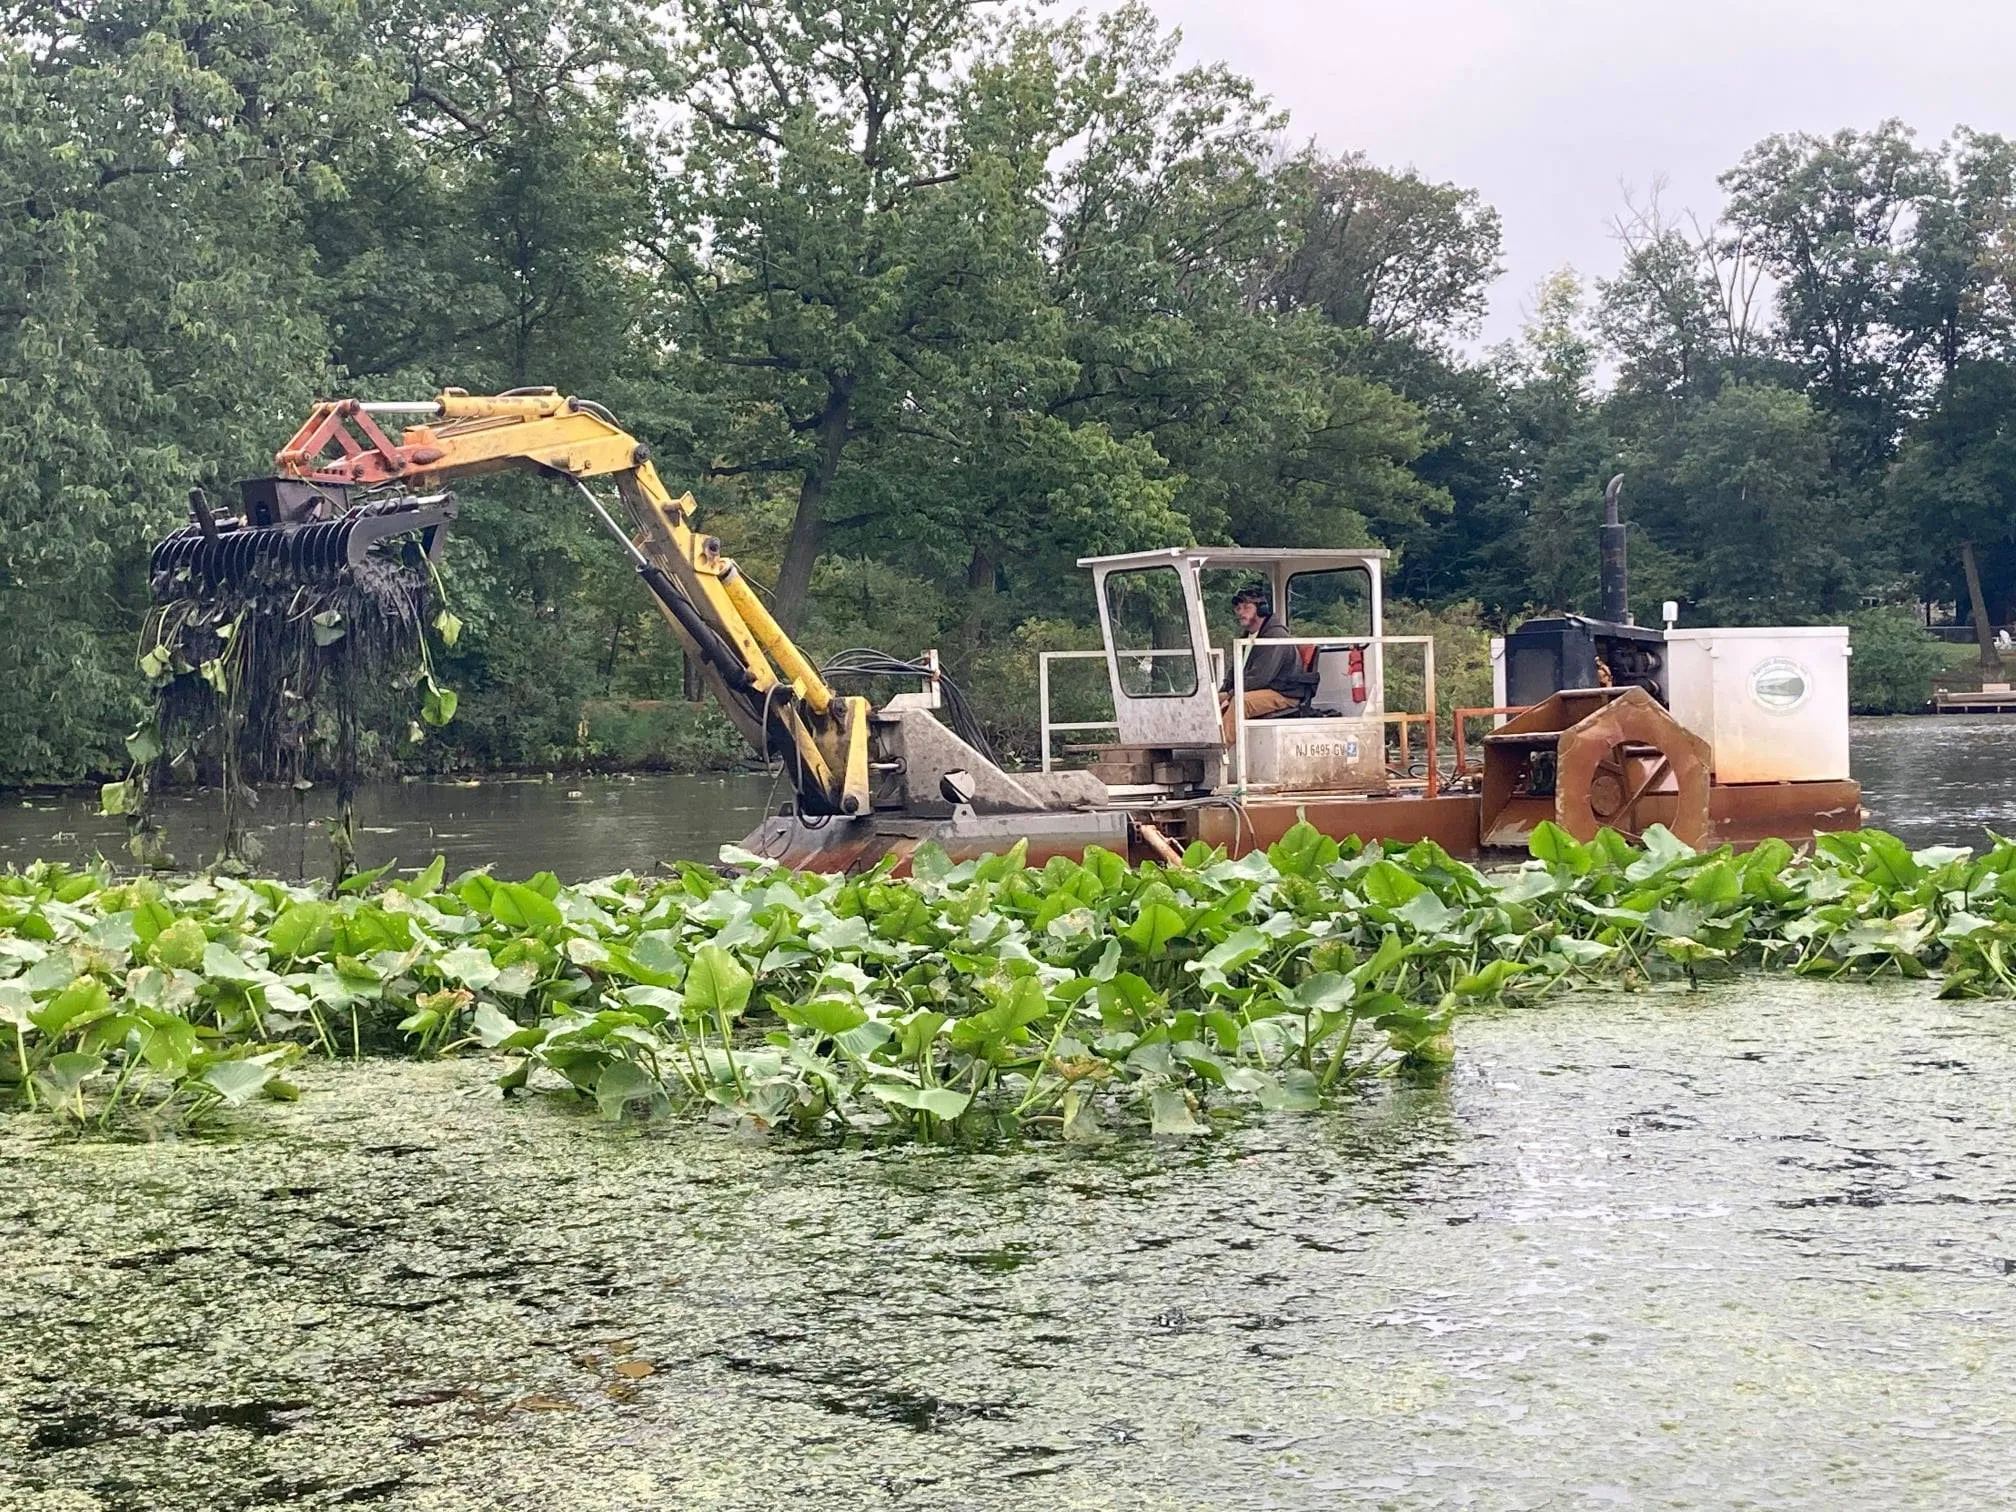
(772, 693)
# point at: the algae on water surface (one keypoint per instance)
(1741, 1246)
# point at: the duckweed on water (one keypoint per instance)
(987, 995)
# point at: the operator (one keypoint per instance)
(1276, 680)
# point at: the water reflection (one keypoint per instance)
(575, 827)
(1940, 780)
(1935, 781)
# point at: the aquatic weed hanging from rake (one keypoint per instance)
(285, 646)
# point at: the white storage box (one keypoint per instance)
(1773, 703)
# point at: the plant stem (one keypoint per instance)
(27, 1076)
(1036, 1080)
(728, 1050)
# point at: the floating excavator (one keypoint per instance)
(1717, 734)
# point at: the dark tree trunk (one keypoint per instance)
(808, 525)
(1984, 633)
(980, 571)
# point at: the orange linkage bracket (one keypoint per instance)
(374, 459)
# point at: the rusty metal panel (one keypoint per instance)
(1743, 814)
(1257, 823)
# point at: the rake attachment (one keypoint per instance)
(295, 531)
(286, 641)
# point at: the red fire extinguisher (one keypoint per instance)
(1355, 665)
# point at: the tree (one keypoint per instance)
(490, 242)
(1748, 503)
(1388, 253)
(1172, 215)
(1685, 310)
(1952, 304)
(1828, 219)
(1955, 483)
(161, 312)
(851, 224)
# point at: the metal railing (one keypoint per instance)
(1374, 643)
(1052, 726)
(1404, 721)
(1049, 726)
(1461, 719)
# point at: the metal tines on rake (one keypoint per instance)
(294, 530)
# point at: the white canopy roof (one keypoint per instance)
(1252, 558)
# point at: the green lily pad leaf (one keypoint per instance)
(717, 983)
(1296, 1093)
(83, 1000)
(1427, 913)
(829, 1016)
(237, 1081)
(1554, 845)
(1490, 979)
(1151, 931)
(1236, 950)
(1169, 1113)
(179, 946)
(1663, 851)
(522, 907)
(302, 929)
(1384, 883)
(1325, 992)
(149, 919)
(17, 1006)
(114, 932)
(469, 965)
(516, 980)
(623, 1082)
(492, 1025)
(939, 1102)
(222, 964)
(67, 1072)
(438, 704)
(1715, 887)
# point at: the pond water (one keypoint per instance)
(1746, 1247)
(1934, 781)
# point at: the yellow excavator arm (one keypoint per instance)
(775, 697)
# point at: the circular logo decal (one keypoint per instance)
(1780, 684)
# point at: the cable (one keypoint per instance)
(865, 661)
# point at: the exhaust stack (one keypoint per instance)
(1616, 577)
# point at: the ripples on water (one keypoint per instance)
(1941, 780)
(576, 827)
(1747, 1247)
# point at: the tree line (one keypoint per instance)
(924, 299)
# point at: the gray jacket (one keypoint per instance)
(1275, 667)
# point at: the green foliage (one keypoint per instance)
(1462, 658)
(1894, 662)
(924, 301)
(987, 995)
(660, 735)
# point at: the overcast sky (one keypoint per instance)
(1546, 107)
